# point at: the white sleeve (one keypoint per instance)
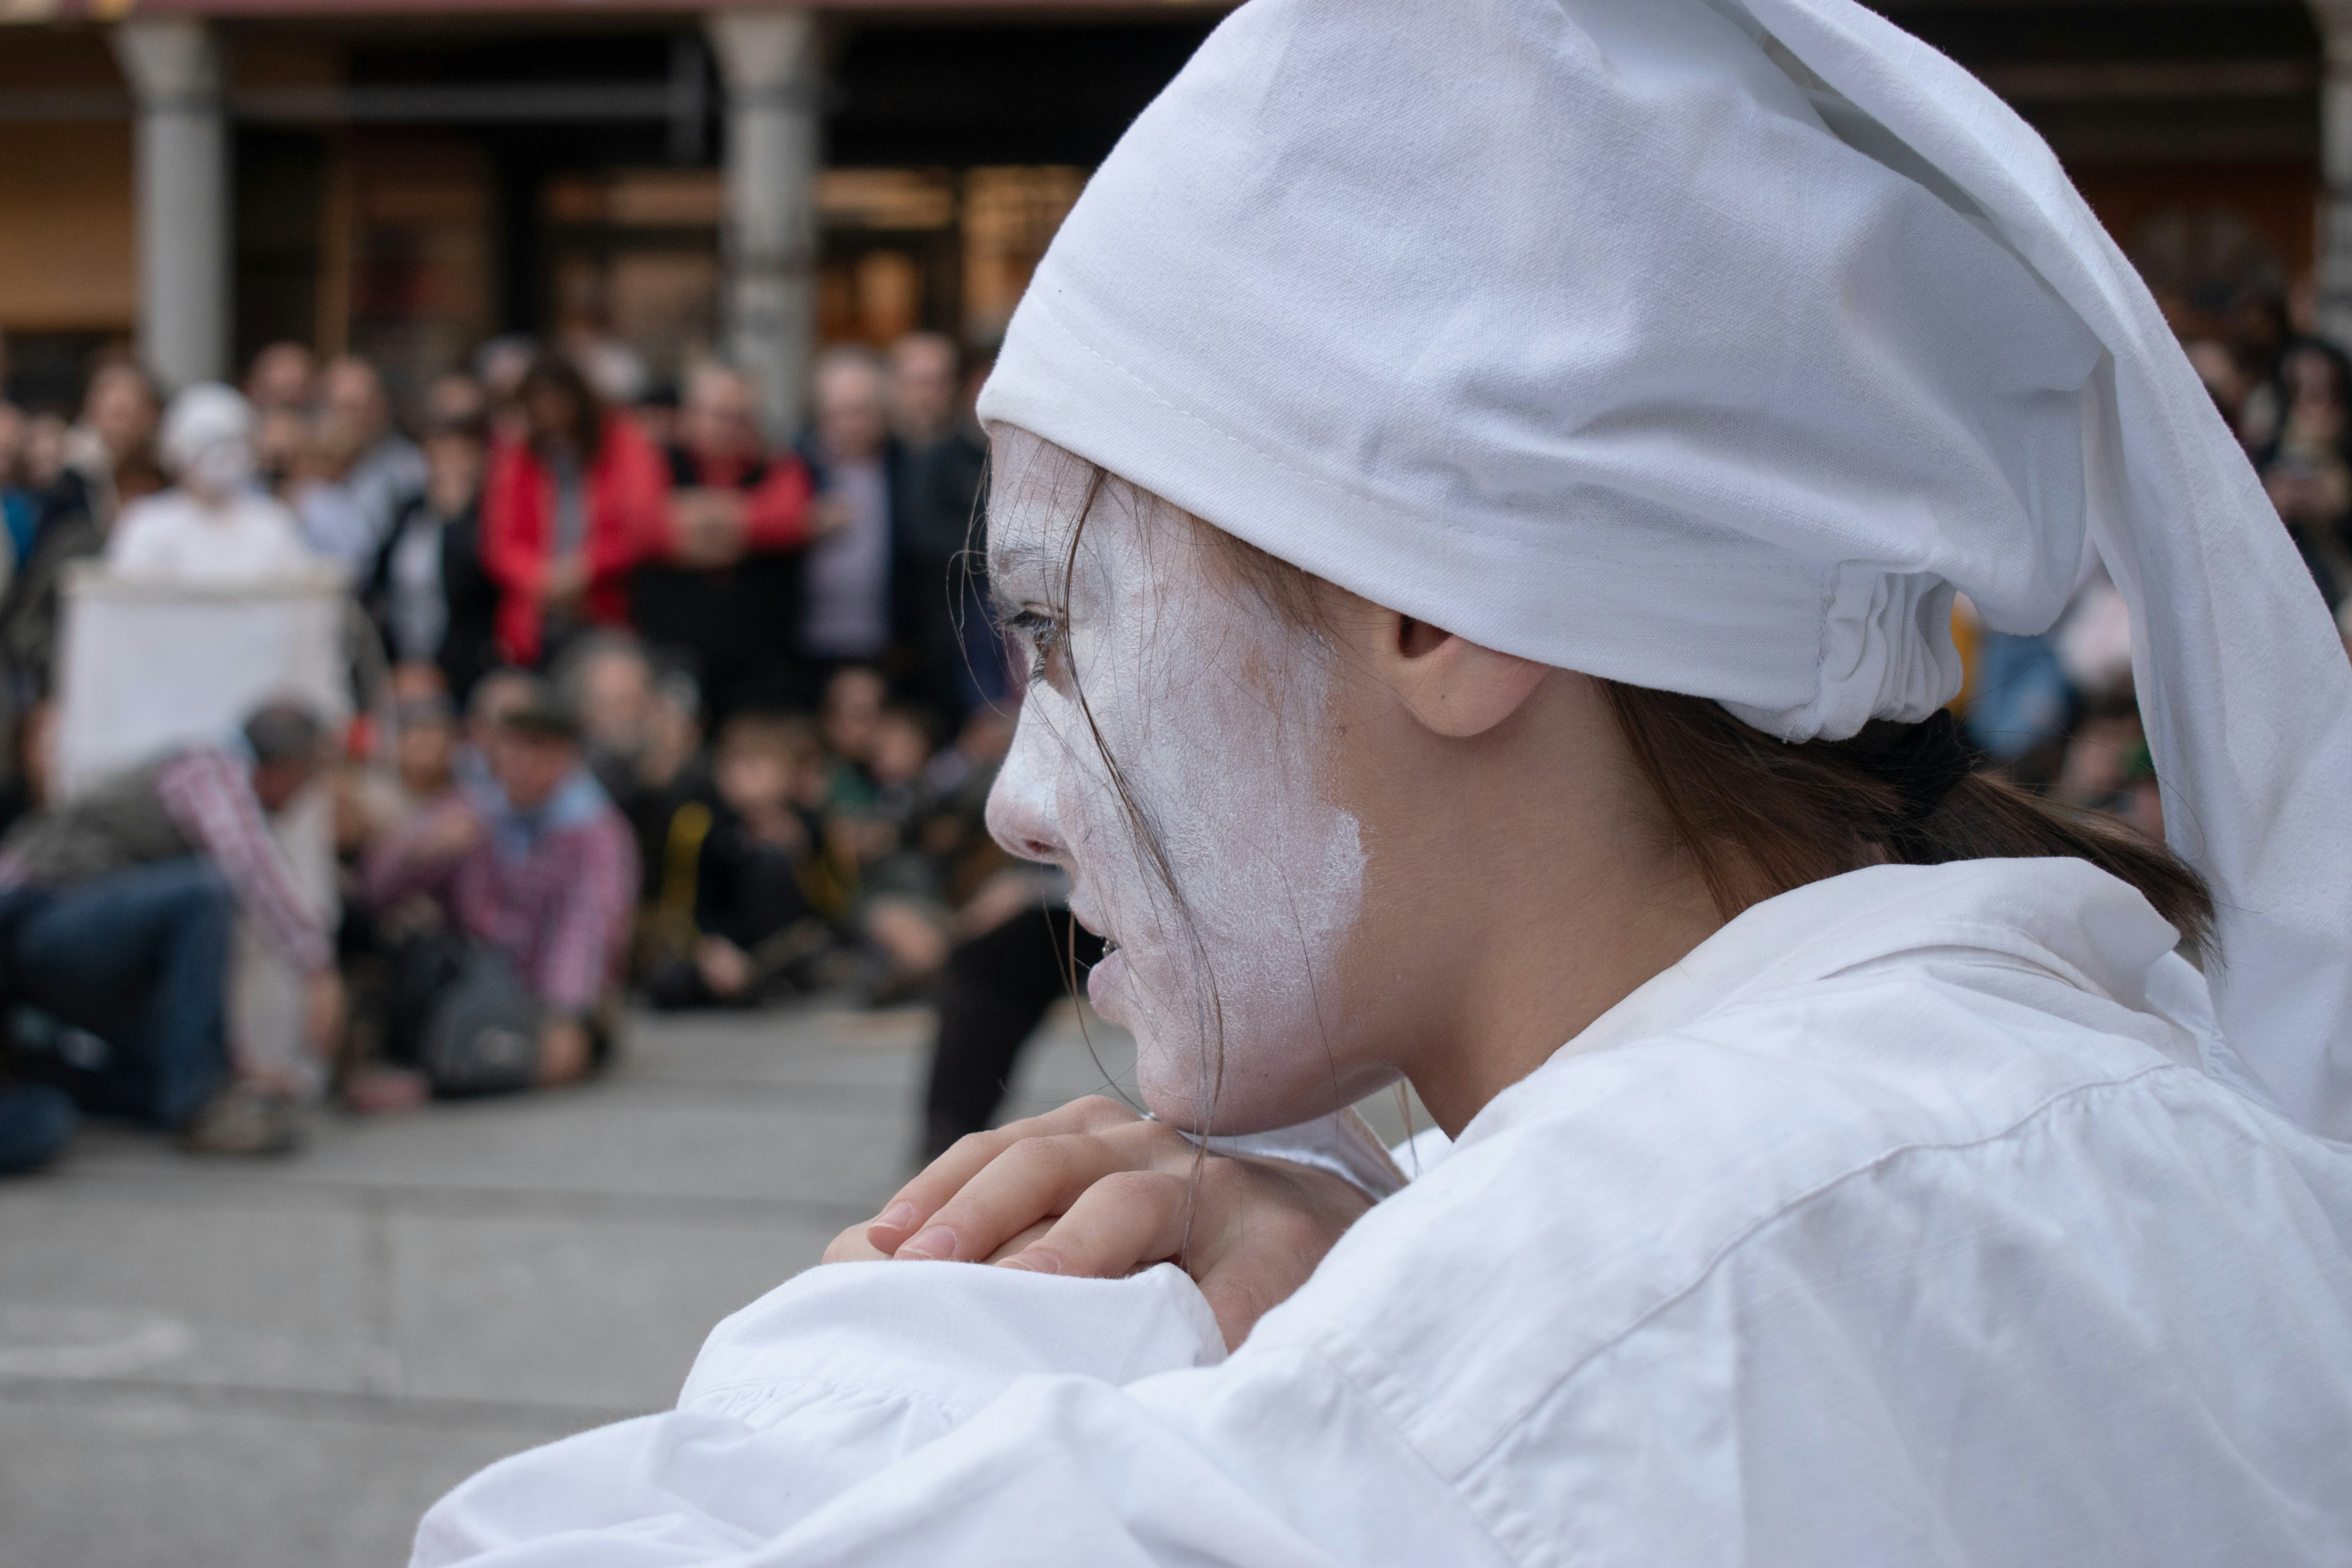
(902, 1416)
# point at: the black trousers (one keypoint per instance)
(997, 987)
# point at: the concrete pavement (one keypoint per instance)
(281, 1364)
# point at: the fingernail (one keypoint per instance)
(896, 1217)
(1035, 1262)
(937, 1244)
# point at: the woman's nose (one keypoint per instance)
(1021, 802)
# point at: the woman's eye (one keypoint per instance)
(1039, 635)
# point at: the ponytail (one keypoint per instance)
(1758, 816)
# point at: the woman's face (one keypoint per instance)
(1176, 755)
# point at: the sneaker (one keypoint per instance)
(243, 1120)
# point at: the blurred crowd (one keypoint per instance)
(646, 707)
(2057, 712)
(652, 709)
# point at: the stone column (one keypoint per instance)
(182, 180)
(768, 60)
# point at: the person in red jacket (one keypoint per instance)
(730, 597)
(568, 512)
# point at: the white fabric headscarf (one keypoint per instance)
(1709, 348)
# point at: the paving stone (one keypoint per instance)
(280, 1364)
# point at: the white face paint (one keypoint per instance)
(1213, 712)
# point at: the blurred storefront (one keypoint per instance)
(406, 181)
(406, 178)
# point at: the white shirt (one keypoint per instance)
(1904, 1222)
(174, 536)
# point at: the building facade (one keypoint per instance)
(408, 178)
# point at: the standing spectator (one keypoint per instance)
(500, 366)
(118, 420)
(427, 591)
(20, 504)
(731, 890)
(455, 398)
(283, 378)
(567, 513)
(543, 873)
(942, 459)
(309, 460)
(848, 613)
(2307, 469)
(213, 526)
(737, 520)
(118, 909)
(29, 610)
(384, 469)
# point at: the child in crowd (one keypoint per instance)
(733, 914)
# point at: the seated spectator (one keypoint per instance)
(568, 512)
(851, 720)
(117, 915)
(732, 891)
(731, 595)
(605, 678)
(426, 590)
(494, 695)
(213, 526)
(542, 874)
(382, 472)
(424, 770)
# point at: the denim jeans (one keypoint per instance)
(35, 1125)
(139, 958)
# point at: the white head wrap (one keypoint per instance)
(204, 421)
(1706, 345)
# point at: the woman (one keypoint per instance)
(429, 596)
(1481, 487)
(567, 512)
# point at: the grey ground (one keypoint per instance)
(258, 1365)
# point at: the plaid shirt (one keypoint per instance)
(208, 796)
(560, 911)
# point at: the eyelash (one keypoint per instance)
(1040, 634)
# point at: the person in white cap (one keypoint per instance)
(215, 524)
(1481, 484)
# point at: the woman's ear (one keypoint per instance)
(1451, 685)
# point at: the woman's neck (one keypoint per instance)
(1545, 895)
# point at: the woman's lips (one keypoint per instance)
(1107, 972)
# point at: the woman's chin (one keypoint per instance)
(1106, 989)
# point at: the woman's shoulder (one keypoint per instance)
(1869, 1149)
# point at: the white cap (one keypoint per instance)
(1706, 347)
(205, 416)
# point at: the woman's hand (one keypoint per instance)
(1092, 1190)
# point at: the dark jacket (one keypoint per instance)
(469, 646)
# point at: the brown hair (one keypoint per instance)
(553, 372)
(1758, 817)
